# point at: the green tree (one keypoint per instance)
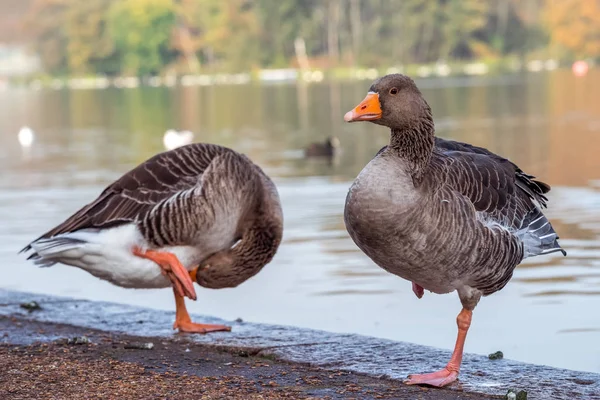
(149, 36)
(141, 30)
(282, 21)
(90, 48)
(460, 20)
(230, 34)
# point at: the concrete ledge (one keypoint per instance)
(367, 355)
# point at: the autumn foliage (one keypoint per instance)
(574, 26)
(145, 37)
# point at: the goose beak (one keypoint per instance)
(368, 110)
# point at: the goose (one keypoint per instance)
(26, 137)
(327, 149)
(444, 215)
(200, 213)
(173, 139)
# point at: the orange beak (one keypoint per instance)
(368, 109)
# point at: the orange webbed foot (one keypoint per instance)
(172, 268)
(192, 327)
(184, 323)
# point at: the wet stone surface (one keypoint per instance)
(352, 353)
(111, 366)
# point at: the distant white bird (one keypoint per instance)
(26, 137)
(173, 139)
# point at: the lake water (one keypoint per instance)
(548, 123)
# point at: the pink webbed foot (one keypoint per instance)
(450, 373)
(438, 379)
(418, 290)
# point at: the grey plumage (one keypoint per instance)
(443, 214)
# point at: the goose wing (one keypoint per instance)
(134, 195)
(535, 189)
(499, 191)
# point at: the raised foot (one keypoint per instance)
(438, 379)
(172, 269)
(192, 327)
(418, 290)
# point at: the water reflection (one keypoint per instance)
(547, 123)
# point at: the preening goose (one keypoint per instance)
(442, 214)
(202, 213)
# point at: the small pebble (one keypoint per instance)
(79, 340)
(187, 350)
(496, 356)
(512, 394)
(522, 395)
(31, 306)
(139, 346)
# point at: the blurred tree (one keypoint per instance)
(46, 20)
(149, 36)
(230, 33)
(459, 21)
(500, 15)
(141, 30)
(186, 35)
(574, 25)
(333, 34)
(356, 29)
(281, 22)
(529, 13)
(90, 48)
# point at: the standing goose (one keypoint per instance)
(444, 215)
(201, 213)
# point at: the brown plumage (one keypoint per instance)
(208, 205)
(443, 214)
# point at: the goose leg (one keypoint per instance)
(184, 323)
(172, 268)
(418, 290)
(450, 373)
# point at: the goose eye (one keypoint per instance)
(394, 91)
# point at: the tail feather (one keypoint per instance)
(538, 235)
(43, 262)
(47, 251)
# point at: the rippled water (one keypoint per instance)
(547, 123)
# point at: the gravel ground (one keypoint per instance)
(38, 362)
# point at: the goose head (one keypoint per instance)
(393, 101)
